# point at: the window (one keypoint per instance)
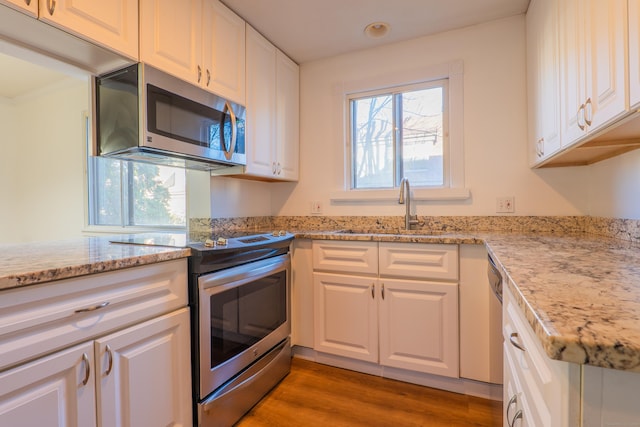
(399, 133)
(408, 123)
(132, 194)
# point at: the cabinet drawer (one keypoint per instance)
(40, 319)
(344, 256)
(418, 260)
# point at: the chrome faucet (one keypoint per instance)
(409, 219)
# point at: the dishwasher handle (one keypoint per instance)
(495, 278)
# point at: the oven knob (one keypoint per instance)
(209, 243)
(221, 241)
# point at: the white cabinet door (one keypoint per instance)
(28, 6)
(55, 390)
(261, 104)
(594, 66)
(543, 79)
(144, 375)
(419, 326)
(223, 51)
(346, 316)
(272, 111)
(606, 56)
(113, 23)
(171, 37)
(288, 117)
(634, 54)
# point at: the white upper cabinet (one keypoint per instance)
(272, 111)
(593, 66)
(634, 54)
(543, 79)
(113, 24)
(200, 41)
(161, 45)
(223, 51)
(110, 24)
(288, 117)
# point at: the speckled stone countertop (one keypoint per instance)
(31, 263)
(579, 292)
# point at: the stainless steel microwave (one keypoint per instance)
(147, 115)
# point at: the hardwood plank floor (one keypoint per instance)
(318, 395)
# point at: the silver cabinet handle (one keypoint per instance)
(279, 169)
(199, 73)
(51, 6)
(109, 353)
(581, 125)
(373, 291)
(517, 416)
(590, 114)
(87, 368)
(382, 291)
(208, 77)
(513, 400)
(512, 340)
(273, 167)
(92, 308)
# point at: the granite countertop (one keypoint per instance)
(579, 292)
(31, 263)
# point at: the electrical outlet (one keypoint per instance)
(316, 207)
(505, 205)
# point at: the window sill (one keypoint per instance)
(355, 196)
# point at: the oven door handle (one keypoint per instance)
(258, 379)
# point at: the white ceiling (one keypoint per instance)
(307, 30)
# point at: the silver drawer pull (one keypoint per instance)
(512, 340)
(92, 308)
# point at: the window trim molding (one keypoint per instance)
(454, 72)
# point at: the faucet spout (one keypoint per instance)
(405, 188)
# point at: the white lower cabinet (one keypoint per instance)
(142, 374)
(541, 392)
(111, 349)
(364, 313)
(53, 390)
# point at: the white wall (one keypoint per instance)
(494, 127)
(614, 187)
(45, 160)
(8, 169)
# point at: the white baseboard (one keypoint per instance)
(456, 385)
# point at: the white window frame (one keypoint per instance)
(454, 188)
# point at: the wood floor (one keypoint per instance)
(318, 395)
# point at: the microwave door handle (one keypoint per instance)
(234, 131)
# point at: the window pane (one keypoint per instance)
(106, 198)
(157, 194)
(422, 142)
(373, 155)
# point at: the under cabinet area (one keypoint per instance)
(111, 348)
(372, 304)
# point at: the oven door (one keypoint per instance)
(244, 313)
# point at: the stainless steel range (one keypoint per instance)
(240, 308)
